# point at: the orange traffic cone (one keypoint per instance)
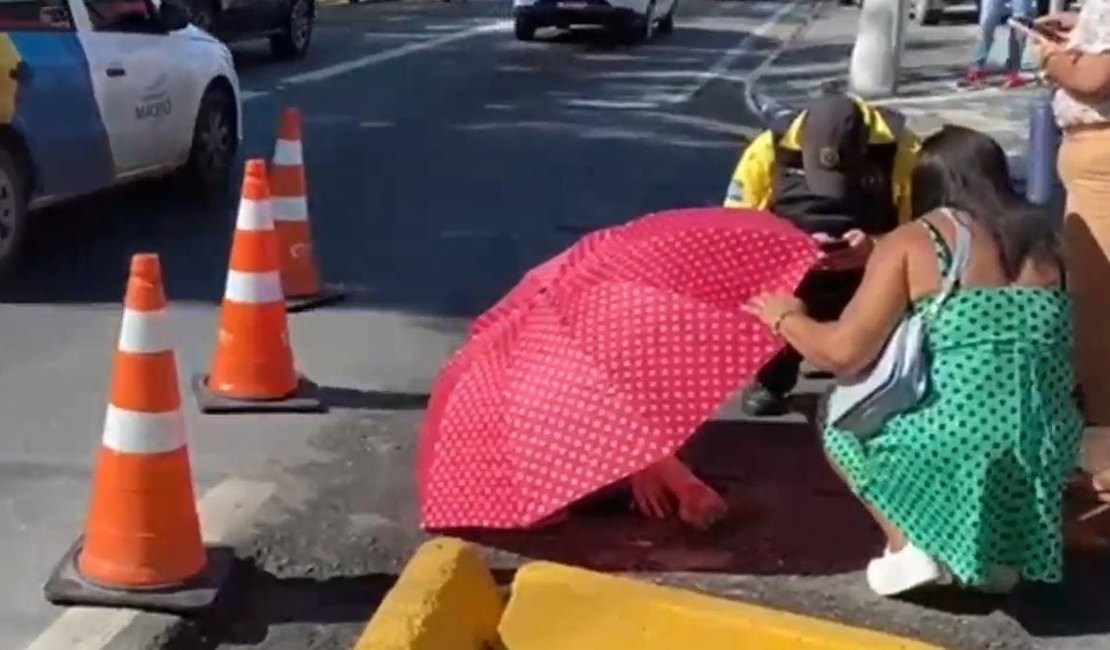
(142, 545)
(252, 369)
(300, 279)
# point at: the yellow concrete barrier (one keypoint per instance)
(561, 608)
(446, 599)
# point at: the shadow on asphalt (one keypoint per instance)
(241, 616)
(371, 400)
(80, 252)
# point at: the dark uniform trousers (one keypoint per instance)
(825, 295)
(870, 209)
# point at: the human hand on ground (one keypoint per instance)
(698, 504)
(649, 493)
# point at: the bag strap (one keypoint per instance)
(960, 255)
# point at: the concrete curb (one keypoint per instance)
(445, 598)
(606, 611)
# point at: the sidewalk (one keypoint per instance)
(933, 60)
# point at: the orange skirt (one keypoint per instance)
(1084, 166)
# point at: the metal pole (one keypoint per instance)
(1042, 183)
(877, 55)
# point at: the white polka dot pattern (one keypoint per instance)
(600, 362)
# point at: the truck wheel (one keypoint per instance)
(296, 34)
(14, 186)
(208, 172)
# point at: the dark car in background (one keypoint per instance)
(287, 23)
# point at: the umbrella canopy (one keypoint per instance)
(602, 361)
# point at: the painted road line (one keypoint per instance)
(226, 512)
(396, 53)
(247, 95)
(824, 70)
(757, 73)
(731, 56)
(936, 98)
(706, 124)
(396, 36)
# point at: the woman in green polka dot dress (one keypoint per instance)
(967, 486)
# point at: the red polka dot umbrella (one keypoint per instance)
(601, 362)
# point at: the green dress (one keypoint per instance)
(974, 475)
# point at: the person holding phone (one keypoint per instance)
(1075, 56)
(840, 170)
(991, 15)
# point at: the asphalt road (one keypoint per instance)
(444, 159)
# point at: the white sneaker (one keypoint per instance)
(909, 568)
(1003, 580)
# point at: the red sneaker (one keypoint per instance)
(973, 78)
(1015, 80)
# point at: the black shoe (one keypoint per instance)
(759, 402)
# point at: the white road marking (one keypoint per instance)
(608, 104)
(937, 99)
(761, 69)
(229, 509)
(84, 628)
(829, 69)
(395, 53)
(226, 511)
(713, 126)
(406, 36)
(247, 95)
(731, 56)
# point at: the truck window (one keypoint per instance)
(35, 16)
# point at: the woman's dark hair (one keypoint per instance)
(967, 170)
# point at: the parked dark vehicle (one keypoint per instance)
(287, 23)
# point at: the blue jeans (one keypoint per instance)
(991, 15)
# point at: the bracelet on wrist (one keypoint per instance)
(776, 327)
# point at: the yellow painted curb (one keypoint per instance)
(445, 599)
(561, 608)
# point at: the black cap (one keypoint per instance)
(834, 131)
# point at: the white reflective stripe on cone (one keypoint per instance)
(135, 432)
(288, 152)
(289, 208)
(145, 332)
(253, 288)
(254, 216)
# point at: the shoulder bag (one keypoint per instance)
(899, 378)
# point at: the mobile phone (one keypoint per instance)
(832, 245)
(1030, 27)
